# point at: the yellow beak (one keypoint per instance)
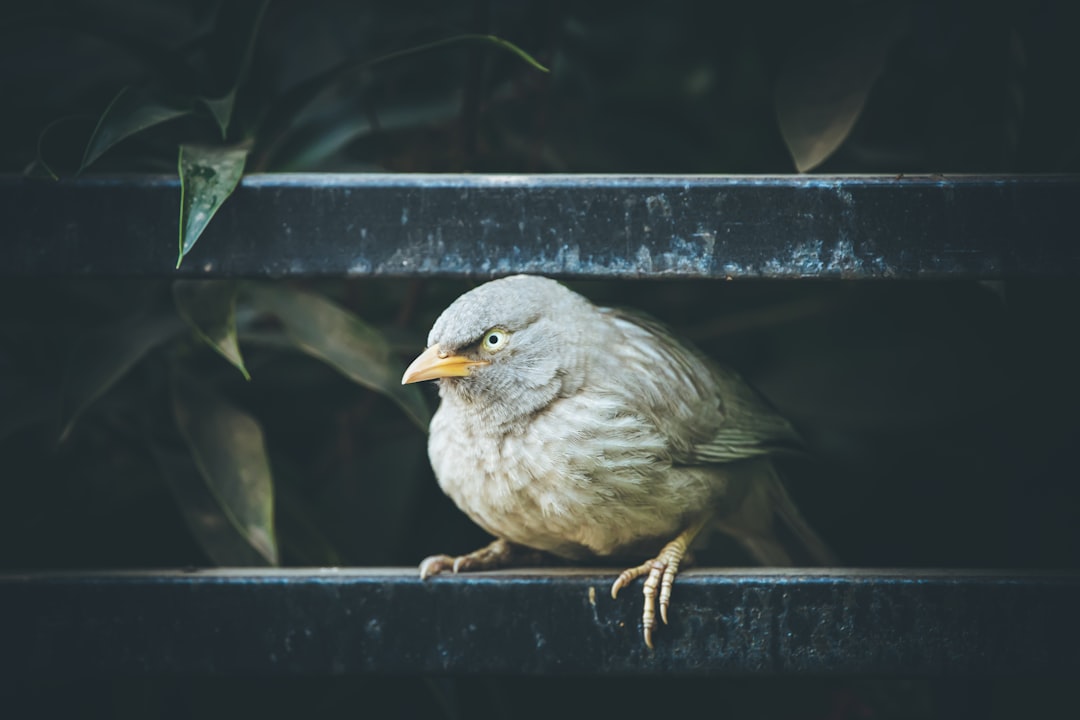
(434, 363)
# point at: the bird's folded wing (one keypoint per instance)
(708, 412)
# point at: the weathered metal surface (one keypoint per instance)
(585, 226)
(387, 621)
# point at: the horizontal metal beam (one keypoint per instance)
(583, 226)
(330, 621)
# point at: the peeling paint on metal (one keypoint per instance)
(587, 226)
(658, 204)
(360, 266)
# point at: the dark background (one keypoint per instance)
(942, 415)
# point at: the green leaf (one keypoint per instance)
(234, 17)
(319, 143)
(459, 39)
(285, 112)
(216, 535)
(209, 307)
(229, 452)
(131, 111)
(318, 327)
(100, 358)
(208, 176)
(822, 90)
(221, 109)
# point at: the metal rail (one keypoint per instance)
(340, 621)
(584, 226)
(303, 622)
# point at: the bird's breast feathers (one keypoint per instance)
(582, 479)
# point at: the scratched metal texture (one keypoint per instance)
(327, 621)
(481, 226)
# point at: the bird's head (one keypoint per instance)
(510, 345)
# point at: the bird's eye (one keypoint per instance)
(495, 339)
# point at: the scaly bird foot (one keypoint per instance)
(661, 572)
(499, 553)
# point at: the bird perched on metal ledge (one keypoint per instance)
(587, 432)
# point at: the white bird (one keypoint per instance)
(588, 432)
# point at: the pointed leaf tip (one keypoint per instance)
(209, 308)
(823, 88)
(208, 176)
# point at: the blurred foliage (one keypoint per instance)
(329, 85)
(117, 390)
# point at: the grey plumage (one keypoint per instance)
(588, 432)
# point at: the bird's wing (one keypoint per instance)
(708, 413)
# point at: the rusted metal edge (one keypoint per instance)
(337, 621)
(986, 227)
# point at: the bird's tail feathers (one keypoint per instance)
(789, 542)
(794, 524)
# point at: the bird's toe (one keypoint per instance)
(659, 575)
(437, 564)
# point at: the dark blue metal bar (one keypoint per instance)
(582, 226)
(562, 622)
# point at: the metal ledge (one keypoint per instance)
(583, 226)
(331, 621)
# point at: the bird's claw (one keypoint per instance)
(437, 564)
(499, 553)
(660, 575)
